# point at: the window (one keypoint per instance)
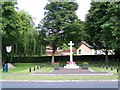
(79, 51)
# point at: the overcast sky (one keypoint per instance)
(36, 8)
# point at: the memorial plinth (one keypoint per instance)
(71, 66)
(10, 65)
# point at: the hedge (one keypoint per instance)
(60, 58)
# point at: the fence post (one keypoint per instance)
(30, 70)
(34, 68)
(117, 70)
(111, 68)
(37, 67)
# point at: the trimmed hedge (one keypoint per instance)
(61, 58)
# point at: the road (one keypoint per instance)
(81, 84)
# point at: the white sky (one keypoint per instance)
(36, 8)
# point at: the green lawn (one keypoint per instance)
(97, 68)
(21, 72)
(23, 68)
(100, 69)
(59, 77)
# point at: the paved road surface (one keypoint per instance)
(82, 84)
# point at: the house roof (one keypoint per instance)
(86, 44)
(60, 52)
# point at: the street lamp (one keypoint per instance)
(6, 66)
(8, 49)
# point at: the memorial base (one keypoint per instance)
(10, 65)
(71, 66)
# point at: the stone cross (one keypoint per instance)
(71, 56)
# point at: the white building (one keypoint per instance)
(86, 49)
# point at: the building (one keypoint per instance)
(67, 52)
(86, 49)
(83, 49)
(49, 51)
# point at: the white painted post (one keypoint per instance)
(71, 53)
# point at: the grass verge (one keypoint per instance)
(60, 77)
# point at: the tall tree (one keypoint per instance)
(103, 30)
(18, 30)
(9, 24)
(26, 33)
(56, 25)
(114, 22)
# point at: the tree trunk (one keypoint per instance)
(106, 56)
(53, 58)
(117, 54)
(34, 47)
(1, 50)
(44, 50)
(40, 50)
(11, 55)
(0, 60)
(0, 56)
(16, 51)
(53, 55)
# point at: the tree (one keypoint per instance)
(18, 30)
(56, 25)
(113, 12)
(76, 32)
(9, 24)
(102, 29)
(0, 50)
(27, 33)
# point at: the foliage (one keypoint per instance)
(102, 24)
(19, 31)
(60, 24)
(8, 26)
(64, 46)
(85, 63)
(103, 21)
